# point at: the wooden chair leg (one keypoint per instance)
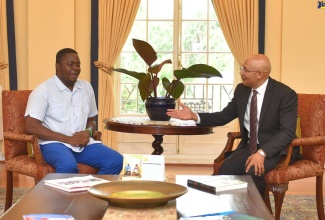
(36, 181)
(319, 197)
(278, 191)
(267, 200)
(9, 192)
(216, 166)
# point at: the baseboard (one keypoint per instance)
(189, 159)
(187, 165)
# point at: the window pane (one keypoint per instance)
(194, 9)
(224, 62)
(219, 96)
(217, 41)
(131, 102)
(158, 9)
(142, 12)
(132, 62)
(212, 13)
(194, 36)
(160, 35)
(138, 31)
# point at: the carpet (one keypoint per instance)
(295, 207)
(298, 207)
(17, 194)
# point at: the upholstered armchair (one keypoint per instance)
(17, 159)
(311, 109)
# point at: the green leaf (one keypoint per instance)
(177, 89)
(144, 87)
(145, 50)
(166, 84)
(134, 74)
(156, 68)
(174, 89)
(197, 71)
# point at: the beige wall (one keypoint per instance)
(294, 43)
(43, 28)
(294, 35)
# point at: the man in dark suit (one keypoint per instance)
(277, 106)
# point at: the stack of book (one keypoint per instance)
(75, 184)
(47, 217)
(216, 183)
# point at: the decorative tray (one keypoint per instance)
(137, 193)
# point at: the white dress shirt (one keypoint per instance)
(260, 97)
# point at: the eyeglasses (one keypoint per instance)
(243, 69)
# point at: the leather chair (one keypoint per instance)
(311, 109)
(15, 142)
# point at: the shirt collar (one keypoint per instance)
(262, 88)
(62, 87)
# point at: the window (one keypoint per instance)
(187, 32)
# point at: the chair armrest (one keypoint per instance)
(17, 137)
(304, 142)
(97, 135)
(232, 136)
(40, 161)
(15, 144)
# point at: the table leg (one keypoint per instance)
(156, 144)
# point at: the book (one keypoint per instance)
(229, 215)
(75, 184)
(47, 217)
(143, 167)
(216, 183)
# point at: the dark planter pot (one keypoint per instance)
(157, 107)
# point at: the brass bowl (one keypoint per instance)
(137, 193)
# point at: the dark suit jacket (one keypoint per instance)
(278, 117)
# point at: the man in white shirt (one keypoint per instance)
(61, 113)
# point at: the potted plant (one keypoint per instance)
(148, 82)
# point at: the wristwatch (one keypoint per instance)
(261, 152)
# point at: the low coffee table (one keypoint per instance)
(42, 199)
(83, 206)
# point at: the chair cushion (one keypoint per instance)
(85, 169)
(298, 170)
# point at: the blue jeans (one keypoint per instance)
(97, 155)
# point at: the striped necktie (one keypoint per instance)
(253, 124)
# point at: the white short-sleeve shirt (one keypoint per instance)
(62, 110)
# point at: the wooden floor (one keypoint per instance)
(304, 186)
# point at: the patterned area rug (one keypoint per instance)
(295, 207)
(298, 207)
(18, 193)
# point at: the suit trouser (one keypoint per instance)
(97, 155)
(235, 165)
